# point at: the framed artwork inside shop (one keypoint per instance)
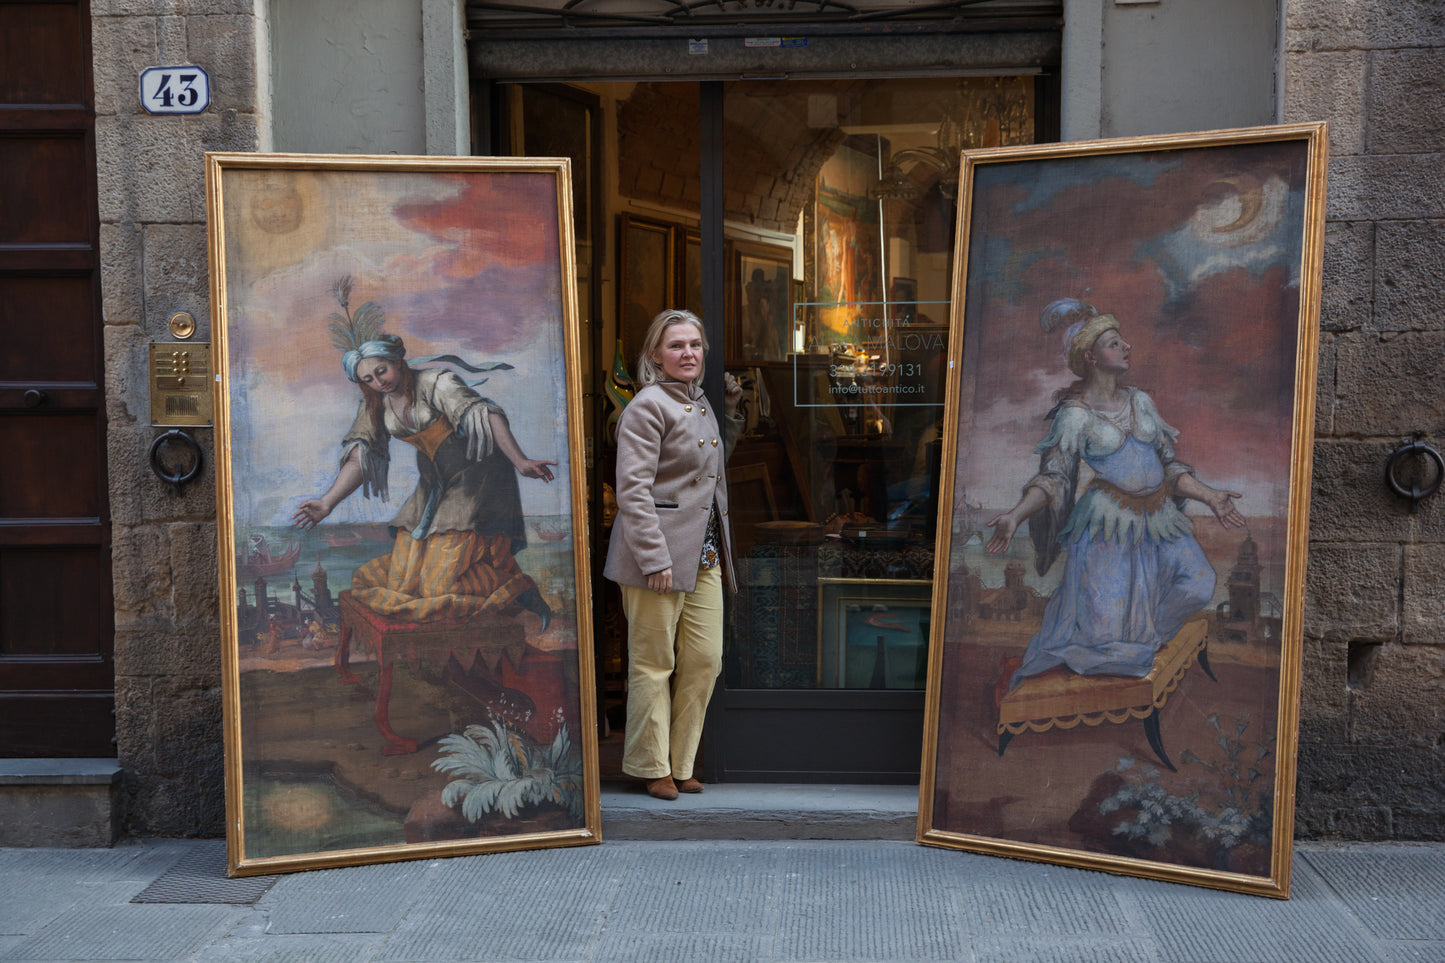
(1115, 661)
(845, 241)
(647, 276)
(873, 633)
(404, 584)
(759, 302)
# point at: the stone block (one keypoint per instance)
(1324, 696)
(225, 44)
(127, 383)
(1349, 500)
(1352, 592)
(188, 730)
(1335, 776)
(171, 730)
(1421, 824)
(156, 648)
(1373, 24)
(140, 566)
(121, 48)
(1422, 619)
(177, 807)
(1383, 383)
(1403, 701)
(177, 277)
(1409, 275)
(150, 168)
(1329, 86)
(61, 803)
(1355, 823)
(193, 583)
(156, 8)
(1407, 99)
(1394, 187)
(1347, 275)
(134, 722)
(121, 297)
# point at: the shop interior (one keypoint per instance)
(839, 203)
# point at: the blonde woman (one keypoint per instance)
(669, 549)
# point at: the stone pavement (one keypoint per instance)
(755, 899)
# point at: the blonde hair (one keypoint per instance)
(1083, 339)
(648, 371)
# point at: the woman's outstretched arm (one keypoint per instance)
(1006, 523)
(502, 435)
(1220, 502)
(348, 480)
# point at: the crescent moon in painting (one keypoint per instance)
(1241, 210)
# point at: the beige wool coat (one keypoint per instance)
(670, 471)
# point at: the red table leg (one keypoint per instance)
(399, 745)
(342, 658)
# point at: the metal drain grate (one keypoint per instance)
(200, 877)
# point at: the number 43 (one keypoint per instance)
(175, 90)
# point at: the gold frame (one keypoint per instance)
(303, 220)
(961, 774)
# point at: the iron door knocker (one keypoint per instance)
(1413, 451)
(163, 472)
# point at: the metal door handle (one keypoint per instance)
(34, 398)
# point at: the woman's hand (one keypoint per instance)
(660, 582)
(1222, 504)
(534, 468)
(310, 513)
(1004, 525)
(732, 394)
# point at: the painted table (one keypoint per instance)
(1062, 699)
(390, 639)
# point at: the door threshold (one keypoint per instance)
(761, 811)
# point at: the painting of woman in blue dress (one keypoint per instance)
(1133, 572)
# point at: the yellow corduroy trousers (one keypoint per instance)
(674, 655)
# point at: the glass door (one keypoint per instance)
(830, 207)
(839, 200)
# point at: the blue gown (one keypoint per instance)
(1133, 571)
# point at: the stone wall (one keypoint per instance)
(153, 248)
(1373, 707)
(1372, 732)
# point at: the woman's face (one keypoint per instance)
(679, 355)
(379, 374)
(1111, 353)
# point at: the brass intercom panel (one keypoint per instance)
(180, 377)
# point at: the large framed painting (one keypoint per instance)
(1115, 654)
(404, 579)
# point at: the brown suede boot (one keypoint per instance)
(663, 788)
(690, 784)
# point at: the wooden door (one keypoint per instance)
(57, 676)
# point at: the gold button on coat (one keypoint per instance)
(687, 407)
